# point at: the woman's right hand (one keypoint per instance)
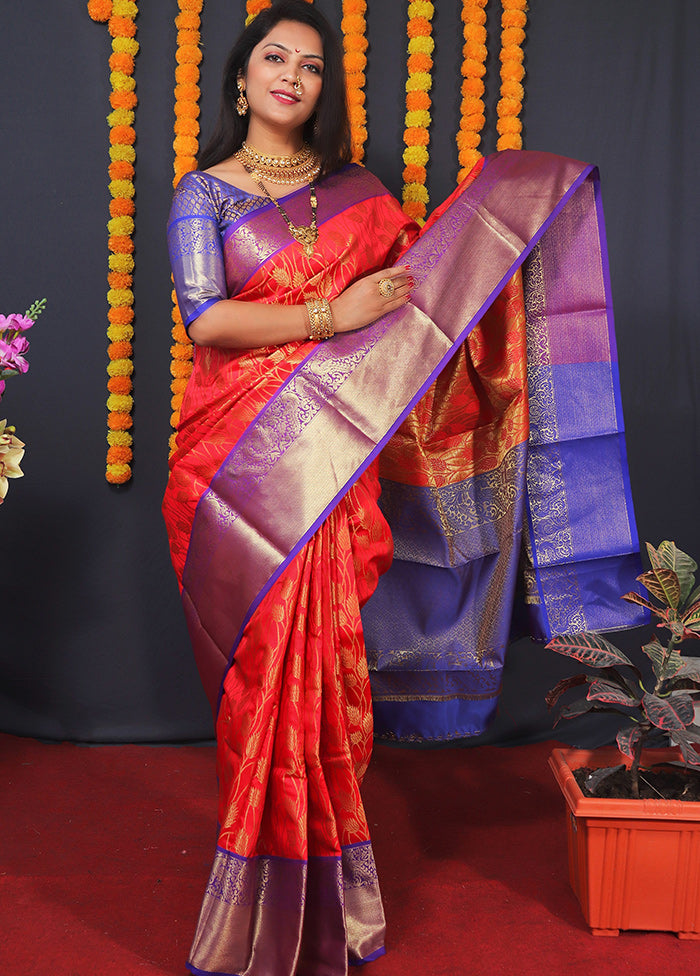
(362, 302)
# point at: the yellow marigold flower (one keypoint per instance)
(121, 262)
(125, 154)
(119, 438)
(120, 296)
(125, 45)
(420, 118)
(120, 333)
(415, 155)
(124, 8)
(119, 402)
(415, 192)
(421, 80)
(121, 117)
(120, 367)
(421, 45)
(122, 188)
(421, 8)
(122, 83)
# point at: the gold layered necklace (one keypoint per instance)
(299, 168)
(302, 167)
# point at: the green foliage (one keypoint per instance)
(670, 705)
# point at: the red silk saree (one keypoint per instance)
(278, 540)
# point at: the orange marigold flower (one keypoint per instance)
(185, 145)
(118, 279)
(119, 384)
(178, 386)
(354, 62)
(121, 207)
(121, 27)
(100, 10)
(414, 174)
(419, 62)
(121, 170)
(414, 210)
(121, 61)
(187, 93)
(123, 99)
(186, 127)
(119, 350)
(418, 27)
(416, 137)
(509, 125)
(417, 101)
(187, 74)
(118, 454)
(121, 315)
(119, 420)
(188, 54)
(186, 109)
(188, 20)
(120, 244)
(122, 135)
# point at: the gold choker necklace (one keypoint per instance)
(302, 167)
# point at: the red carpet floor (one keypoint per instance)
(104, 853)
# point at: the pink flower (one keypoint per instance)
(2, 388)
(11, 354)
(22, 322)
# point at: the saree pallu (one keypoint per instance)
(508, 429)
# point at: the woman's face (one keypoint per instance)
(291, 54)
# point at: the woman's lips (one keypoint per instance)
(286, 97)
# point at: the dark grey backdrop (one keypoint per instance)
(92, 642)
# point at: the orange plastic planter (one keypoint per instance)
(633, 864)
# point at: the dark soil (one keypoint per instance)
(664, 781)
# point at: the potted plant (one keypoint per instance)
(634, 861)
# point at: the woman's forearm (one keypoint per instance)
(249, 325)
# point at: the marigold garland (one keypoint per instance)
(510, 104)
(186, 145)
(120, 16)
(417, 120)
(472, 110)
(354, 29)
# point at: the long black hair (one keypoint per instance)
(328, 129)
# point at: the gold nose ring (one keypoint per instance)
(297, 85)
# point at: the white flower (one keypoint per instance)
(11, 453)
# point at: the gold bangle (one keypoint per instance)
(320, 319)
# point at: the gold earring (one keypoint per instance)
(242, 101)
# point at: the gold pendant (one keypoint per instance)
(306, 236)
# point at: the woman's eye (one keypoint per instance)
(313, 68)
(272, 57)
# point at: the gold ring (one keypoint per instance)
(386, 287)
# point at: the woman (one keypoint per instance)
(277, 244)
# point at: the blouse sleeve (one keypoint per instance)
(194, 244)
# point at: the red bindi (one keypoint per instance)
(297, 50)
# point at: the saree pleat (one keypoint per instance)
(294, 735)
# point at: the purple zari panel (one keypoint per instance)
(263, 915)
